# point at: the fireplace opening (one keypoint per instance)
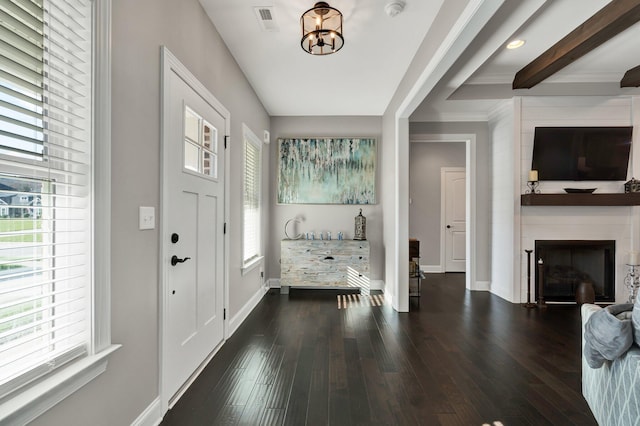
(567, 263)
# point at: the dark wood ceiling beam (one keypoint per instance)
(631, 78)
(608, 22)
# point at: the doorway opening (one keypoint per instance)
(467, 153)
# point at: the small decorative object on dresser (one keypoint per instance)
(286, 233)
(632, 185)
(361, 227)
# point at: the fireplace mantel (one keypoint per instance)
(620, 199)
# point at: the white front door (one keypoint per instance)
(454, 219)
(193, 247)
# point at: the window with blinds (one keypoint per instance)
(251, 202)
(45, 186)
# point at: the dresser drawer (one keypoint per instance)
(313, 263)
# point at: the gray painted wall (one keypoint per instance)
(140, 27)
(483, 183)
(322, 218)
(425, 161)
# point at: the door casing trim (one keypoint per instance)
(169, 64)
(469, 140)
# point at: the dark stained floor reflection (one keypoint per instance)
(458, 358)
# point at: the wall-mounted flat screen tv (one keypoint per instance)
(581, 153)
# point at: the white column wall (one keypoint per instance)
(503, 224)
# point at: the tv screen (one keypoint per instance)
(581, 153)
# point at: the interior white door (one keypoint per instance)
(455, 219)
(193, 179)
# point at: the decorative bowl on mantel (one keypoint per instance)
(579, 190)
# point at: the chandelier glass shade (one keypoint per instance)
(321, 29)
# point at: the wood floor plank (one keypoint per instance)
(272, 416)
(296, 413)
(229, 415)
(377, 393)
(358, 403)
(280, 390)
(410, 410)
(318, 406)
(339, 408)
(271, 365)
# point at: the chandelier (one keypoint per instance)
(321, 29)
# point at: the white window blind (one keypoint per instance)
(251, 204)
(45, 186)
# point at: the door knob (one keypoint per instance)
(448, 226)
(175, 260)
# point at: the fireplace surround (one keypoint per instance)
(567, 263)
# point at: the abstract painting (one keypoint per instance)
(327, 171)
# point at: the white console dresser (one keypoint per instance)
(324, 264)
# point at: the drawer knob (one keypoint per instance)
(329, 258)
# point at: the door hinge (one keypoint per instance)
(226, 138)
(224, 228)
(224, 314)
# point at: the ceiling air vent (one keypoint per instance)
(266, 18)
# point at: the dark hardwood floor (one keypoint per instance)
(459, 358)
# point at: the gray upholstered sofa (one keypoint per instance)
(613, 390)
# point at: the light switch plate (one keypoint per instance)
(147, 217)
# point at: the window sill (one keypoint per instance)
(37, 399)
(251, 265)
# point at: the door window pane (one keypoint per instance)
(191, 156)
(191, 125)
(210, 164)
(210, 137)
(200, 145)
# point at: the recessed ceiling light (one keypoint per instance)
(514, 44)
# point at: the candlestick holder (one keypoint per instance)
(529, 304)
(533, 187)
(632, 282)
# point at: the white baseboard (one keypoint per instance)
(432, 269)
(482, 286)
(388, 296)
(242, 315)
(151, 416)
(376, 285)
